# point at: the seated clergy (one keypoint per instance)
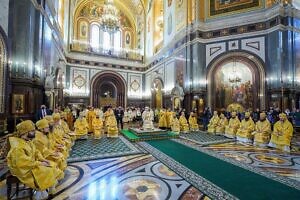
(111, 124)
(42, 143)
(213, 123)
(97, 127)
(27, 164)
(234, 124)
(244, 133)
(59, 132)
(282, 134)
(162, 122)
(175, 125)
(193, 122)
(222, 123)
(184, 126)
(81, 126)
(262, 131)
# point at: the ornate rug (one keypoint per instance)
(91, 149)
(202, 138)
(205, 169)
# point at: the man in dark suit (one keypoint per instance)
(119, 113)
(41, 113)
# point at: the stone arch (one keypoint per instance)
(112, 79)
(255, 65)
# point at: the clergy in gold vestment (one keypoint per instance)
(81, 126)
(244, 133)
(111, 124)
(60, 132)
(184, 126)
(193, 122)
(282, 134)
(262, 131)
(91, 115)
(234, 124)
(175, 126)
(26, 162)
(162, 122)
(42, 143)
(97, 127)
(222, 123)
(213, 123)
(169, 114)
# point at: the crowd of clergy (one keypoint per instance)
(259, 133)
(38, 152)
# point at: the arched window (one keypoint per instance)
(117, 41)
(106, 41)
(95, 36)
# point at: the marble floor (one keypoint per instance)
(141, 176)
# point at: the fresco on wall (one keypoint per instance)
(169, 3)
(219, 7)
(83, 29)
(233, 86)
(180, 14)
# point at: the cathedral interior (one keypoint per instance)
(149, 99)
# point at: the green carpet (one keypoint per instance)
(237, 181)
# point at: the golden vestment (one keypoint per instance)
(231, 129)
(162, 123)
(91, 115)
(193, 123)
(97, 127)
(262, 133)
(81, 127)
(25, 162)
(175, 125)
(220, 128)
(112, 126)
(244, 133)
(213, 124)
(184, 126)
(282, 135)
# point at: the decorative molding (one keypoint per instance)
(256, 46)
(213, 50)
(233, 45)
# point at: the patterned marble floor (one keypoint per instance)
(271, 160)
(130, 177)
(142, 176)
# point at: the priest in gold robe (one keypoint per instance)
(184, 126)
(282, 134)
(193, 122)
(262, 131)
(234, 124)
(169, 116)
(162, 122)
(42, 143)
(175, 125)
(244, 133)
(213, 123)
(97, 127)
(111, 124)
(221, 125)
(81, 126)
(26, 162)
(91, 115)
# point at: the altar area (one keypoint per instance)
(140, 134)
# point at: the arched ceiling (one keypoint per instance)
(135, 7)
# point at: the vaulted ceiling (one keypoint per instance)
(135, 7)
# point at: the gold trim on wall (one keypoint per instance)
(209, 16)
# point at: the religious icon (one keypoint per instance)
(127, 38)
(169, 3)
(83, 29)
(18, 103)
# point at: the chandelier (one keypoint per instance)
(110, 20)
(234, 78)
